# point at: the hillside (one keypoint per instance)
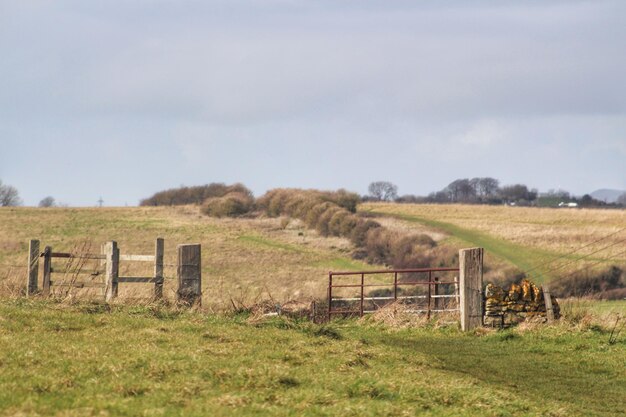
(246, 259)
(71, 356)
(607, 195)
(243, 259)
(527, 238)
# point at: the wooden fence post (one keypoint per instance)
(47, 270)
(33, 267)
(112, 270)
(548, 300)
(102, 264)
(189, 274)
(158, 268)
(471, 288)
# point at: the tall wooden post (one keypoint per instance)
(189, 273)
(547, 298)
(102, 265)
(457, 298)
(112, 270)
(330, 294)
(158, 268)
(471, 288)
(33, 267)
(47, 270)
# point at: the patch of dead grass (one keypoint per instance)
(277, 260)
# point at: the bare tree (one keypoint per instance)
(488, 186)
(517, 192)
(48, 202)
(622, 199)
(9, 196)
(383, 191)
(461, 190)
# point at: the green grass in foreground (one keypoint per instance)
(89, 359)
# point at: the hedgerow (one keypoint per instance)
(193, 195)
(334, 214)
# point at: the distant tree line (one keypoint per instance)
(10, 197)
(484, 190)
(487, 190)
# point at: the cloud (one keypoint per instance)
(325, 94)
(359, 61)
(482, 134)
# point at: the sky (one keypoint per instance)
(120, 99)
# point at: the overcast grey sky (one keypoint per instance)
(120, 99)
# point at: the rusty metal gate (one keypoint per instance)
(421, 290)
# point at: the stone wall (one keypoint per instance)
(520, 302)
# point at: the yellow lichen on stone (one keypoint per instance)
(522, 301)
(515, 292)
(527, 292)
(537, 294)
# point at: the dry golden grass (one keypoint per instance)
(524, 237)
(400, 316)
(558, 230)
(243, 259)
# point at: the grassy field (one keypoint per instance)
(90, 359)
(524, 237)
(242, 259)
(247, 257)
(63, 357)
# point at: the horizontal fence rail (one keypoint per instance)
(105, 274)
(428, 302)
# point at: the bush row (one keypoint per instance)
(334, 214)
(195, 195)
(606, 284)
(330, 213)
(233, 204)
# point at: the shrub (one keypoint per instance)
(335, 223)
(378, 245)
(333, 213)
(323, 221)
(315, 212)
(276, 204)
(194, 195)
(298, 207)
(347, 200)
(233, 204)
(47, 202)
(347, 225)
(589, 283)
(423, 240)
(358, 236)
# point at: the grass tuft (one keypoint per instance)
(327, 331)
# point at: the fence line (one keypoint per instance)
(433, 297)
(467, 290)
(188, 270)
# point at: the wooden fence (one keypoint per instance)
(107, 277)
